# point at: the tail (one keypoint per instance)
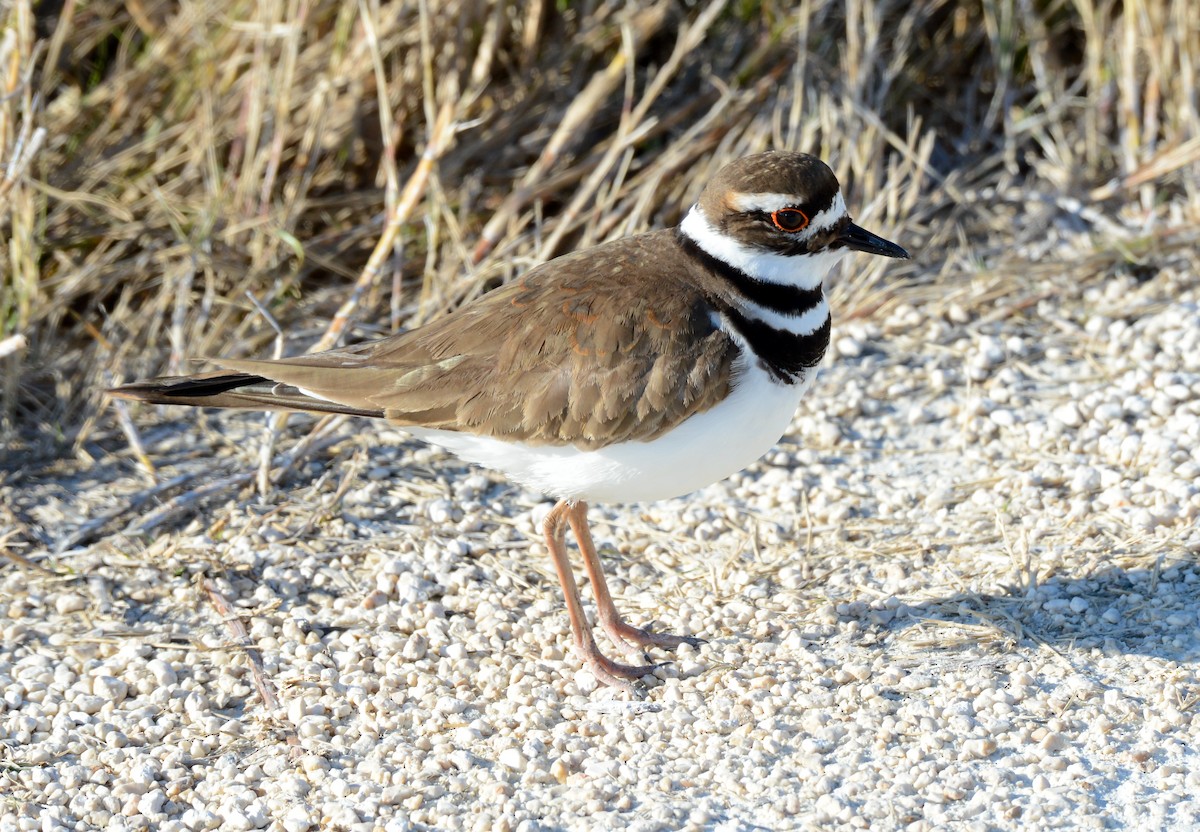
(225, 388)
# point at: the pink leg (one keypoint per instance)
(603, 668)
(626, 636)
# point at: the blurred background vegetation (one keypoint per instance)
(173, 175)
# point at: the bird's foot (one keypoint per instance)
(611, 673)
(637, 640)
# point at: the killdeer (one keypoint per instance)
(640, 369)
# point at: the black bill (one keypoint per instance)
(860, 239)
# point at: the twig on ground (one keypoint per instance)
(134, 439)
(19, 559)
(237, 632)
(275, 421)
(93, 527)
(319, 437)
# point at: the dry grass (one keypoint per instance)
(169, 166)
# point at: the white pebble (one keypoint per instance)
(849, 347)
(69, 602)
(978, 747)
(444, 511)
(414, 649)
(513, 759)
(164, 675)
(1068, 414)
(110, 688)
(151, 803)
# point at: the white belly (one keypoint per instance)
(705, 449)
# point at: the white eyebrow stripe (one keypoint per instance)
(769, 203)
(762, 202)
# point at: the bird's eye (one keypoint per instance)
(790, 220)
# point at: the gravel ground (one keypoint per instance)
(962, 592)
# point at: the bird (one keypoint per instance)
(636, 370)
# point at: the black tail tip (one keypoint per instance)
(169, 387)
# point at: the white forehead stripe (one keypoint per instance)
(830, 216)
(777, 202)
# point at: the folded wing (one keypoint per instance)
(571, 353)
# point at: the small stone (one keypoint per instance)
(849, 347)
(313, 763)
(1003, 417)
(297, 820)
(990, 353)
(444, 511)
(413, 589)
(1054, 741)
(162, 672)
(414, 649)
(376, 598)
(513, 759)
(450, 705)
(1085, 480)
(979, 747)
(1068, 414)
(110, 689)
(69, 603)
(197, 819)
(559, 771)
(828, 434)
(151, 802)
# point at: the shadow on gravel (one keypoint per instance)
(1149, 612)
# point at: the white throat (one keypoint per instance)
(804, 271)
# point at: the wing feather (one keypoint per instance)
(578, 351)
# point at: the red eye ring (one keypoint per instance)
(790, 220)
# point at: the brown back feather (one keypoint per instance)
(579, 351)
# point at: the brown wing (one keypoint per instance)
(577, 351)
